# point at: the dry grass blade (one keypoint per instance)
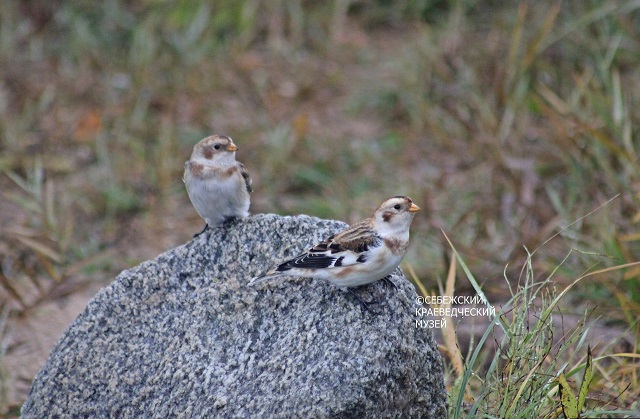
(40, 248)
(51, 271)
(449, 332)
(606, 9)
(98, 258)
(515, 44)
(611, 269)
(473, 281)
(416, 280)
(575, 222)
(536, 46)
(13, 292)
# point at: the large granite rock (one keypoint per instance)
(183, 336)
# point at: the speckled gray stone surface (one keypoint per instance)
(182, 336)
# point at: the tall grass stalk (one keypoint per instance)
(530, 355)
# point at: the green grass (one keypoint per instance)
(505, 122)
(519, 373)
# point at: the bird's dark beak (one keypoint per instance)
(414, 208)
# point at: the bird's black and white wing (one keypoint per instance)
(350, 247)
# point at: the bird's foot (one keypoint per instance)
(364, 305)
(206, 227)
(388, 282)
(230, 220)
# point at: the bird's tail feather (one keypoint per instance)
(265, 277)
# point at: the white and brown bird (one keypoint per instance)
(363, 253)
(218, 185)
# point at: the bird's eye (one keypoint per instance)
(217, 146)
(397, 206)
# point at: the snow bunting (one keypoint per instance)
(363, 253)
(218, 185)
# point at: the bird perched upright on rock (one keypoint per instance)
(218, 185)
(363, 253)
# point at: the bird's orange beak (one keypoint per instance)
(232, 147)
(414, 208)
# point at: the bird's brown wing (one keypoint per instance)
(246, 177)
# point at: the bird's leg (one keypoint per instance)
(230, 219)
(206, 227)
(364, 305)
(388, 282)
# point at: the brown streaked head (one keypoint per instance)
(214, 145)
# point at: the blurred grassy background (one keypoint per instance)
(505, 122)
